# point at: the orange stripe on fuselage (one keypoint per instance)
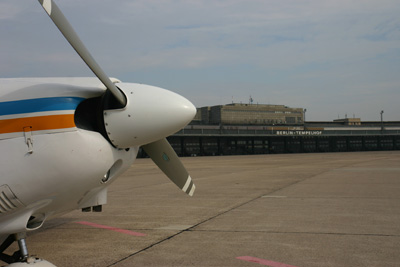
(37, 123)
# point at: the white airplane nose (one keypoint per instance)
(151, 114)
(173, 111)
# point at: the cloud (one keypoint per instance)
(10, 11)
(295, 52)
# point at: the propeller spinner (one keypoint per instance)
(144, 115)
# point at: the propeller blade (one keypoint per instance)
(66, 29)
(166, 159)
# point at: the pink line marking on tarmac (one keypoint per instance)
(111, 228)
(264, 262)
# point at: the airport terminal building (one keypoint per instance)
(249, 114)
(240, 129)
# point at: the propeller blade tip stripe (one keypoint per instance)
(189, 186)
(47, 6)
(186, 186)
(192, 190)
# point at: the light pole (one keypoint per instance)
(382, 121)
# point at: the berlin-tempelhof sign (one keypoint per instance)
(312, 133)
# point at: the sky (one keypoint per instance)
(334, 58)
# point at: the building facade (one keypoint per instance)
(250, 114)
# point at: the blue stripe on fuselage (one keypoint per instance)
(39, 105)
